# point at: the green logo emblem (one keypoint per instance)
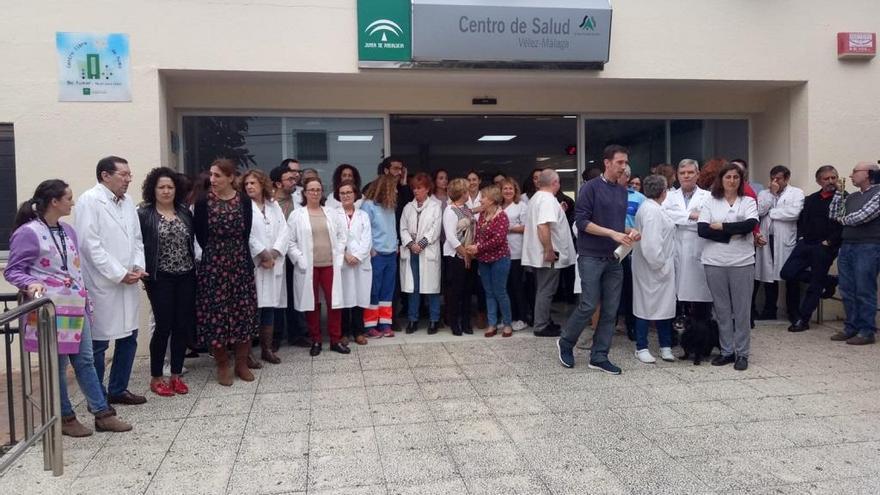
(589, 23)
(384, 30)
(87, 91)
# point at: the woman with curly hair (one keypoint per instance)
(343, 173)
(167, 230)
(380, 203)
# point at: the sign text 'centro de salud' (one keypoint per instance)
(484, 33)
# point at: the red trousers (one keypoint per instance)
(322, 277)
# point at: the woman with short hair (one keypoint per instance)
(726, 221)
(458, 226)
(269, 242)
(493, 253)
(420, 259)
(653, 271)
(316, 249)
(357, 271)
(226, 293)
(167, 231)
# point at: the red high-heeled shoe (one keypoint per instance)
(178, 386)
(161, 389)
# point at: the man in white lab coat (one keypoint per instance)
(683, 206)
(778, 208)
(113, 265)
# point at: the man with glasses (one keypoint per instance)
(113, 263)
(859, 261)
(295, 324)
(296, 193)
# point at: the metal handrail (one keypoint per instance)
(50, 393)
(9, 332)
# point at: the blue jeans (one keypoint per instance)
(382, 291)
(664, 333)
(601, 278)
(494, 278)
(124, 350)
(414, 299)
(84, 368)
(857, 266)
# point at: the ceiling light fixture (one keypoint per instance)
(497, 137)
(565, 170)
(542, 158)
(359, 139)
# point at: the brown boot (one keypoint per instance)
(107, 421)
(268, 354)
(71, 427)
(224, 370)
(242, 349)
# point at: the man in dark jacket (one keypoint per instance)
(815, 251)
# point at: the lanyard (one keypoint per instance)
(62, 247)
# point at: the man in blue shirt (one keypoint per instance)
(600, 217)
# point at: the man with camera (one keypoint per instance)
(859, 260)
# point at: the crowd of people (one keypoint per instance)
(233, 257)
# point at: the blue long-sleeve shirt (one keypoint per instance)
(383, 224)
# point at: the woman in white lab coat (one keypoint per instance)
(317, 248)
(268, 244)
(344, 172)
(654, 271)
(420, 257)
(357, 271)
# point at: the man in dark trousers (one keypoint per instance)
(815, 251)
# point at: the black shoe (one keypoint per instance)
(830, 289)
(467, 328)
(548, 331)
(315, 350)
(742, 363)
(723, 360)
(799, 326)
(433, 327)
(127, 398)
(554, 325)
(300, 342)
(412, 327)
(338, 347)
(605, 366)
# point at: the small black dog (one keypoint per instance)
(699, 336)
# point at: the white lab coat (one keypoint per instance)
(357, 281)
(111, 244)
(690, 279)
(653, 270)
(301, 254)
(414, 227)
(779, 217)
(269, 233)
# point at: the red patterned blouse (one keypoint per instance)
(491, 238)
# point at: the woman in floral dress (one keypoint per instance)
(226, 297)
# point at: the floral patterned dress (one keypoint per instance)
(226, 299)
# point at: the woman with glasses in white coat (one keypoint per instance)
(317, 249)
(268, 242)
(357, 271)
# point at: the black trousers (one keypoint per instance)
(809, 263)
(173, 298)
(294, 322)
(626, 295)
(520, 306)
(459, 289)
(353, 321)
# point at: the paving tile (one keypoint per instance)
(487, 459)
(280, 422)
(409, 437)
(516, 405)
(459, 408)
(196, 428)
(383, 394)
(383, 361)
(332, 418)
(191, 455)
(558, 452)
(731, 472)
(270, 403)
(219, 406)
(454, 486)
(340, 471)
(202, 481)
(280, 446)
(269, 384)
(345, 398)
(454, 389)
(127, 459)
(374, 378)
(352, 490)
(508, 385)
(122, 483)
(327, 381)
(401, 413)
(430, 360)
(487, 370)
(268, 477)
(577, 481)
(432, 374)
(336, 366)
(472, 431)
(426, 466)
(343, 442)
(709, 412)
(508, 485)
(240, 387)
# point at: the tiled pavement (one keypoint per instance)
(425, 415)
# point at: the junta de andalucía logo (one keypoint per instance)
(384, 26)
